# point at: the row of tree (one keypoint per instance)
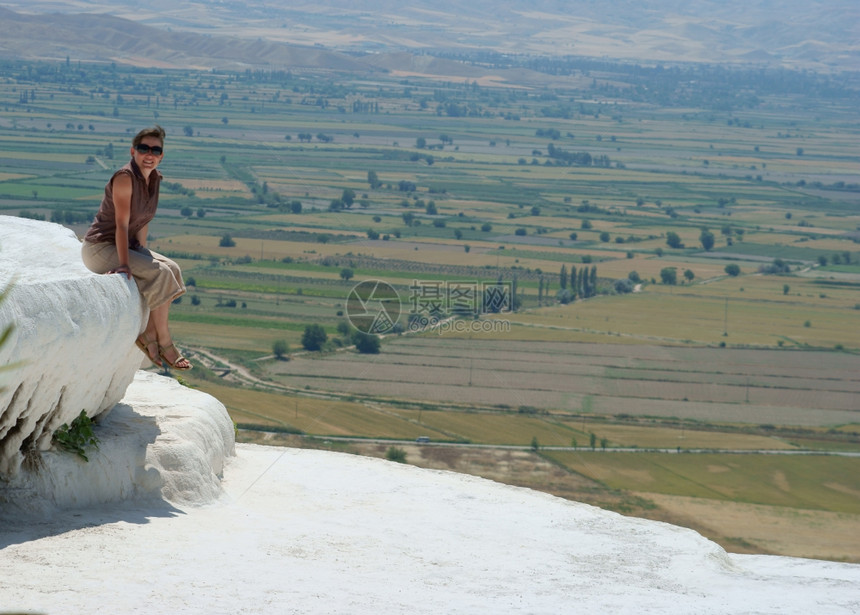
(579, 283)
(583, 159)
(706, 238)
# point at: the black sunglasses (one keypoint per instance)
(143, 148)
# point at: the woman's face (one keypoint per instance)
(148, 154)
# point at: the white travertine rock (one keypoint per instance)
(195, 436)
(163, 442)
(72, 347)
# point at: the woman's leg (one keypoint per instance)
(160, 281)
(157, 277)
(157, 328)
(101, 258)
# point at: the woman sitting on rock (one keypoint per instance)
(116, 243)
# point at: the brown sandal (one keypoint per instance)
(179, 358)
(143, 343)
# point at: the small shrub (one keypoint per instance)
(395, 454)
(366, 343)
(280, 348)
(623, 286)
(77, 436)
(314, 337)
(343, 327)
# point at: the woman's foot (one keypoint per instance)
(171, 356)
(149, 347)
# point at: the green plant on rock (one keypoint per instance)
(76, 437)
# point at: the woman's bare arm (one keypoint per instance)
(122, 213)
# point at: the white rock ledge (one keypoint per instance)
(72, 348)
(162, 442)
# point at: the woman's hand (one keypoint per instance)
(122, 269)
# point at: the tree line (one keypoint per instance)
(579, 283)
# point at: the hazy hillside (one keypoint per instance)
(817, 33)
(92, 37)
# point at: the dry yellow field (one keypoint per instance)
(648, 267)
(253, 339)
(430, 252)
(330, 417)
(491, 428)
(664, 437)
(758, 528)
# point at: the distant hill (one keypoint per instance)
(800, 33)
(104, 38)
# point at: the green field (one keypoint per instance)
(803, 482)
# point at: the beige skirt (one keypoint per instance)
(158, 278)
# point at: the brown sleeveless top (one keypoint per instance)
(144, 202)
